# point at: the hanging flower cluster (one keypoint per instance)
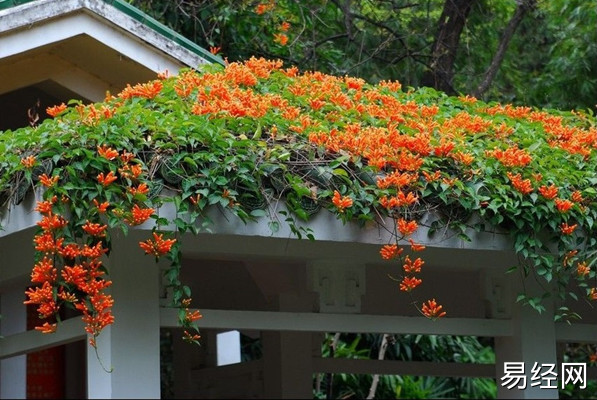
(69, 271)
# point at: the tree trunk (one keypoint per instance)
(380, 356)
(451, 23)
(523, 6)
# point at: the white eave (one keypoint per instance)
(87, 46)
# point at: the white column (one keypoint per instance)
(131, 346)
(287, 355)
(533, 341)
(287, 368)
(13, 371)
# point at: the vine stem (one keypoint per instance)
(94, 344)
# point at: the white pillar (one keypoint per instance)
(287, 355)
(533, 341)
(131, 346)
(13, 371)
(287, 368)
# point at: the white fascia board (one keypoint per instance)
(40, 23)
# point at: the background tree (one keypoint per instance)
(531, 52)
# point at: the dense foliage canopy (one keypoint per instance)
(252, 134)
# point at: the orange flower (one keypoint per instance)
(93, 252)
(192, 316)
(415, 246)
(511, 157)
(569, 255)
(190, 338)
(463, 158)
(537, 177)
(40, 295)
(148, 90)
(45, 207)
(141, 189)
(577, 197)
(47, 181)
(409, 283)
(582, 269)
(407, 228)
(563, 205)
(107, 152)
(45, 243)
(139, 215)
(70, 250)
(46, 327)
(400, 200)
(52, 222)
(263, 8)
(390, 251)
(101, 208)
(95, 229)
(28, 162)
(524, 186)
(341, 202)
(431, 178)
(567, 229)
(396, 179)
(549, 192)
(432, 310)
(106, 180)
(316, 104)
(163, 75)
(411, 267)
(281, 38)
(158, 246)
(75, 275)
(214, 50)
(56, 110)
(44, 271)
(284, 26)
(467, 99)
(593, 294)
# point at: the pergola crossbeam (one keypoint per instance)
(17, 344)
(393, 367)
(359, 323)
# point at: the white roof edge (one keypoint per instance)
(26, 15)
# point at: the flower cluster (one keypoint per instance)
(69, 271)
(411, 268)
(82, 279)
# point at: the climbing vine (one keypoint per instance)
(249, 135)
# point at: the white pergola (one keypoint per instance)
(288, 292)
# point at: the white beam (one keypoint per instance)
(68, 331)
(394, 367)
(576, 333)
(312, 322)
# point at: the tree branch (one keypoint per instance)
(380, 356)
(521, 9)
